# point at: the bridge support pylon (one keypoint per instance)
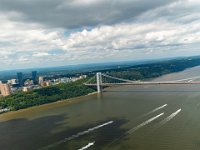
(99, 82)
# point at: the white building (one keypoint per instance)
(41, 79)
(12, 81)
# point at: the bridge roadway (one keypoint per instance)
(144, 83)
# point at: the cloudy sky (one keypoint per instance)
(41, 33)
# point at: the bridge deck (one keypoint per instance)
(143, 83)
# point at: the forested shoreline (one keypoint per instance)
(21, 100)
(45, 95)
(153, 70)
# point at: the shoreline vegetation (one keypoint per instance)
(21, 100)
(66, 91)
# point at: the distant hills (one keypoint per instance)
(82, 68)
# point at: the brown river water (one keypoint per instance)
(153, 117)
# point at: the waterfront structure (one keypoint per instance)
(5, 89)
(20, 79)
(34, 77)
(104, 80)
(99, 81)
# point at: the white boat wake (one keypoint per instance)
(144, 123)
(137, 127)
(76, 135)
(87, 146)
(169, 117)
(156, 109)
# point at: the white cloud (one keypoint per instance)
(162, 32)
(40, 54)
(85, 2)
(23, 60)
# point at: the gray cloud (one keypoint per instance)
(60, 32)
(78, 13)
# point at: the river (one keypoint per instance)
(159, 117)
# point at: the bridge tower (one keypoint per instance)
(99, 81)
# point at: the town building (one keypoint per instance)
(28, 82)
(41, 80)
(12, 81)
(5, 89)
(46, 83)
(34, 77)
(26, 89)
(20, 79)
(83, 76)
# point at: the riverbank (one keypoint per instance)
(5, 116)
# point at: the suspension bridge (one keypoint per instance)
(104, 80)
